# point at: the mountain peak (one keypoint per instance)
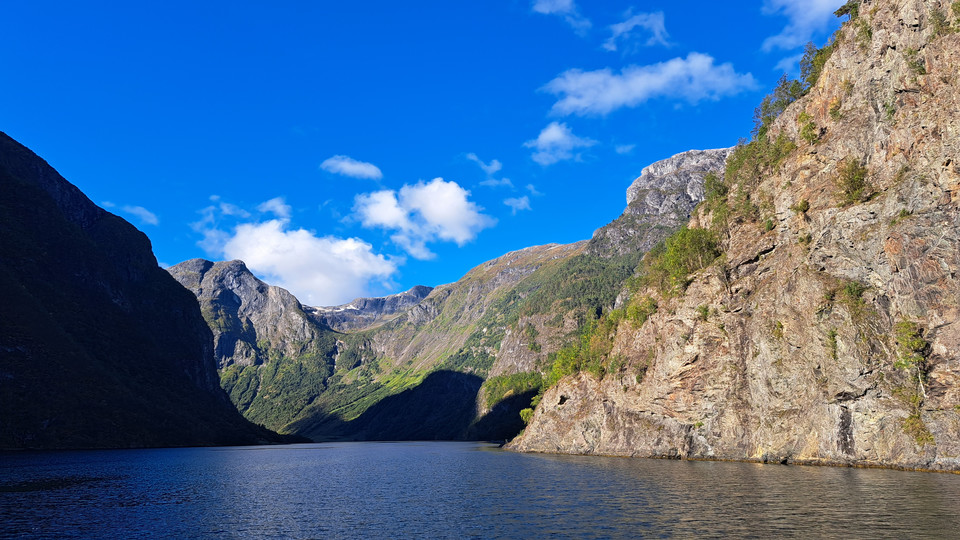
(659, 201)
(681, 174)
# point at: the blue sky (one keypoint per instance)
(357, 148)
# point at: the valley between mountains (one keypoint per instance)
(459, 361)
(793, 298)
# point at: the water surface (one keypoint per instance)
(454, 490)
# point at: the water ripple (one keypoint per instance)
(454, 490)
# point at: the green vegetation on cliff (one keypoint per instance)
(274, 392)
(584, 284)
(668, 267)
(504, 386)
(839, 349)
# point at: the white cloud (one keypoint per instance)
(497, 182)
(423, 213)
(382, 209)
(490, 168)
(804, 19)
(233, 210)
(694, 79)
(445, 209)
(653, 23)
(549, 7)
(229, 209)
(557, 142)
(517, 204)
(145, 216)
(318, 270)
(789, 64)
(566, 9)
(213, 237)
(533, 190)
(348, 166)
(624, 148)
(276, 206)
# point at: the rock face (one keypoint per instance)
(366, 312)
(658, 202)
(830, 330)
(250, 319)
(670, 186)
(275, 358)
(86, 320)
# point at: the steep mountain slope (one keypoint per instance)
(274, 357)
(87, 319)
(828, 331)
(251, 318)
(456, 330)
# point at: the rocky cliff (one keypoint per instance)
(828, 329)
(658, 202)
(86, 321)
(275, 358)
(250, 319)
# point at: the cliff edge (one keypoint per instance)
(822, 323)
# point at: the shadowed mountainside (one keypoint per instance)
(99, 347)
(441, 407)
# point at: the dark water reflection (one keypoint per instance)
(453, 490)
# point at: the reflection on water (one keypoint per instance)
(46, 484)
(362, 490)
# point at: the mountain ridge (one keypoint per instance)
(364, 312)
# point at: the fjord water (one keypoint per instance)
(453, 490)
